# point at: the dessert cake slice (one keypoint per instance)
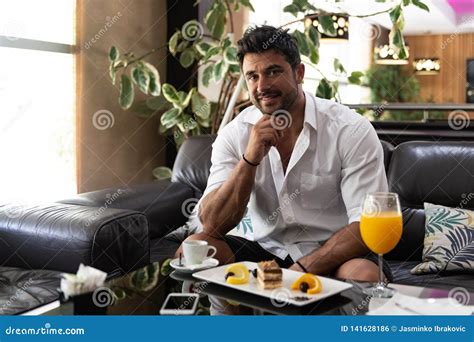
(269, 274)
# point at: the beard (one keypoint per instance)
(273, 100)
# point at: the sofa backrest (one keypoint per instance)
(193, 161)
(435, 172)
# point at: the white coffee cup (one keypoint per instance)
(196, 251)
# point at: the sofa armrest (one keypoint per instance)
(161, 202)
(60, 237)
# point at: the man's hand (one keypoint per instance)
(262, 137)
(296, 267)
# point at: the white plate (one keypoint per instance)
(280, 295)
(208, 263)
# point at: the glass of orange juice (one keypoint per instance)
(381, 228)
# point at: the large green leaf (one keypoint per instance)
(220, 69)
(207, 74)
(170, 118)
(186, 98)
(313, 35)
(141, 77)
(201, 106)
(230, 55)
(327, 24)
(423, 6)
(170, 93)
(226, 43)
(216, 20)
(113, 54)
(395, 14)
(302, 42)
(126, 92)
(293, 9)
(183, 45)
(173, 42)
(325, 90)
(162, 173)
(247, 4)
(313, 54)
(202, 48)
(212, 52)
(355, 77)
(155, 85)
(187, 58)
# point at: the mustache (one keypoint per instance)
(268, 93)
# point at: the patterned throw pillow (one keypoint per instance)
(449, 240)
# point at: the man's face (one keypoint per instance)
(271, 81)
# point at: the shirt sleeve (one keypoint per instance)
(363, 168)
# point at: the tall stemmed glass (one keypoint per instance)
(381, 228)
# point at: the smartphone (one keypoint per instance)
(180, 304)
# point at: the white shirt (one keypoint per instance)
(336, 160)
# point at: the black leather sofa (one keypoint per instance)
(121, 229)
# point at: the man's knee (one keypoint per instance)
(358, 269)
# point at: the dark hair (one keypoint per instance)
(258, 39)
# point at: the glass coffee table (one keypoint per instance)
(144, 291)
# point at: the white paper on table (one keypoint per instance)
(401, 304)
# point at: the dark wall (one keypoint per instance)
(178, 12)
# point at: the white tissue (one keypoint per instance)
(87, 279)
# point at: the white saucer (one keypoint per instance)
(208, 263)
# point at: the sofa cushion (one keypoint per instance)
(24, 289)
(436, 172)
(449, 240)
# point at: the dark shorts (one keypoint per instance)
(246, 250)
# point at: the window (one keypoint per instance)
(37, 100)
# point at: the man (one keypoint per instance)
(302, 165)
